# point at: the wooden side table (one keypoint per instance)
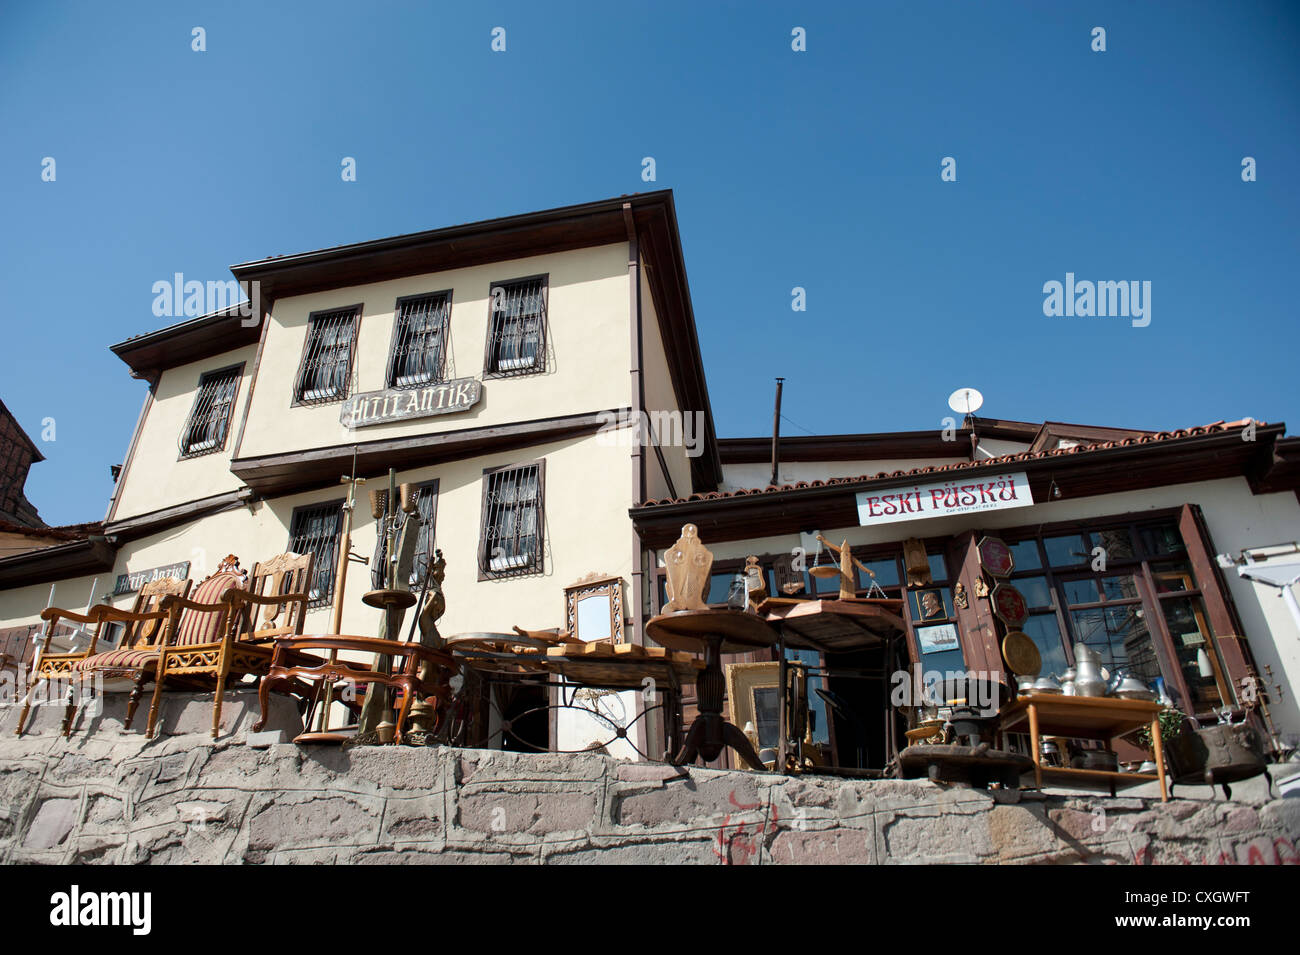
(714, 632)
(1085, 717)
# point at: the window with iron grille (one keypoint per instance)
(512, 521)
(517, 329)
(314, 529)
(327, 356)
(209, 421)
(419, 350)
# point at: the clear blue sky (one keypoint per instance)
(818, 169)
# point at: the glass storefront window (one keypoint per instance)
(1068, 550)
(1198, 658)
(1045, 631)
(1117, 543)
(938, 567)
(1026, 556)
(1161, 539)
(1121, 637)
(1173, 576)
(1036, 591)
(886, 571)
(1119, 587)
(1081, 591)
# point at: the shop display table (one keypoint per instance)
(713, 632)
(1084, 717)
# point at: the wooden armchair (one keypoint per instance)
(273, 605)
(145, 625)
(203, 615)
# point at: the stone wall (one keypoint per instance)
(113, 797)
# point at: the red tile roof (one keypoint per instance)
(1155, 437)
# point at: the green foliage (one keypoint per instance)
(1171, 726)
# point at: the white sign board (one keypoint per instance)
(958, 495)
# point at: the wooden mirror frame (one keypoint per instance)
(597, 585)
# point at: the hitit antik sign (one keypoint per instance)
(944, 498)
(394, 404)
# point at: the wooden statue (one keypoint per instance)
(917, 562)
(687, 572)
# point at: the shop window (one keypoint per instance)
(1198, 657)
(314, 530)
(513, 518)
(1026, 556)
(517, 327)
(1045, 630)
(209, 421)
(418, 353)
(1069, 550)
(327, 356)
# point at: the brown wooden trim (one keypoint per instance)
(1216, 597)
(265, 324)
(59, 562)
(275, 474)
(151, 522)
(392, 337)
(130, 455)
(295, 401)
(488, 371)
(150, 354)
(238, 368)
(540, 569)
(977, 624)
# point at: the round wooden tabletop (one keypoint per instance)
(689, 630)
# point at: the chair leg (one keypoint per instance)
(157, 699)
(133, 701)
(69, 710)
(27, 708)
(221, 689)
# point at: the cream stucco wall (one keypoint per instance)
(588, 351)
(1235, 518)
(156, 477)
(587, 495)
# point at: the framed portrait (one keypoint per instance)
(930, 604)
(754, 696)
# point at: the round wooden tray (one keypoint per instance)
(689, 630)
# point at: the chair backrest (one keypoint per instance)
(287, 573)
(206, 626)
(145, 633)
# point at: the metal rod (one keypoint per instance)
(776, 430)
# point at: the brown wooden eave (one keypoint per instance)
(74, 559)
(1081, 473)
(273, 474)
(152, 522)
(150, 354)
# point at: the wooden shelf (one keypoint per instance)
(1102, 777)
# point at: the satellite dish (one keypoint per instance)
(966, 400)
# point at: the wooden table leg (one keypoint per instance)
(1035, 748)
(1159, 747)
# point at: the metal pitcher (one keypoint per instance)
(1088, 678)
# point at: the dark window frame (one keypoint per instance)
(312, 317)
(440, 373)
(237, 372)
(538, 565)
(421, 488)
(321, 567)
(490, 369)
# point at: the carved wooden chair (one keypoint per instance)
(145, 625)
(273, 605)
(187, 618)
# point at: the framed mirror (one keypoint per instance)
(594, 608)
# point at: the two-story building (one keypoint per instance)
(505, 366)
